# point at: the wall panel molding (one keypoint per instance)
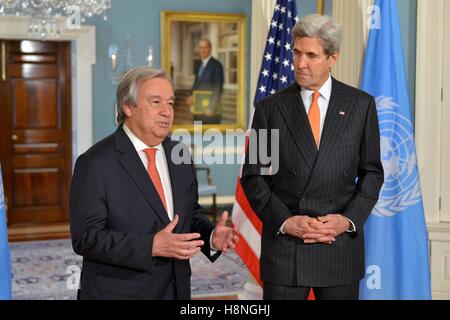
(352, 14)
(262, 12)
(428, 125)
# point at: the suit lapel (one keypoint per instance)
(208, 69)
(174, 172)
(294, 114)
(132, 164)
(337, 114)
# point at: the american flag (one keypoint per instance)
(277, 72)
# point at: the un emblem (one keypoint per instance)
(401, 187)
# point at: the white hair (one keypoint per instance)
(327, 30)
(127, 88)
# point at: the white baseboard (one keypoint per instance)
(440, 295)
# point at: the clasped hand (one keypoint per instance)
(323, 229)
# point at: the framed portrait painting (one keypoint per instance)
(204, 54)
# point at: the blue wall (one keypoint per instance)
(407, 10)
(140, 20)
(305, 7)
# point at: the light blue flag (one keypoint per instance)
(5, 255)
(397, 260)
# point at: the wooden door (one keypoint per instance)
(35, 131)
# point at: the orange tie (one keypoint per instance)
(154, 175)
(314, 116)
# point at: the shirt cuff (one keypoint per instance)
(213, 250)
(281, 230)
(353, 229)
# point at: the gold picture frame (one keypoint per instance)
(227, 33)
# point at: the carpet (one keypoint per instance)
(41, 271)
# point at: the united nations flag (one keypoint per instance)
(5, 255)
(397, 263)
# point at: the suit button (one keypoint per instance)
(344, 173)
(293, 173)
(333, 201)
(302, 199)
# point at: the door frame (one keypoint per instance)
(83, 57)
(82, 43)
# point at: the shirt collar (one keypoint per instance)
(205, 62)
(325, 90)
(138, 144)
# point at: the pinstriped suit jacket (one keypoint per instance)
(345, 177)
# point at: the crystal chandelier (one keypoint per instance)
(43, 14)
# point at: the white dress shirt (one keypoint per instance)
(161, 166)
(324, 101)
(206, 60)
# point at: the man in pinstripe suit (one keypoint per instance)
(313, 209)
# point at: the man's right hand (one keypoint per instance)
(299, 226)
(181, 246)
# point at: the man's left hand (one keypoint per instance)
(224, 238)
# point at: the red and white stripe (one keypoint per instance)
(249, 227)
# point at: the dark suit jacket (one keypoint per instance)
(211, 79)
(345, 177)
(116, 211)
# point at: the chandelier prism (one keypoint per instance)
(43, 14)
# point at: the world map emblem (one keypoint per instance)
(401, 188)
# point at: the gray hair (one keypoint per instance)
(327, 30)
(127, 88)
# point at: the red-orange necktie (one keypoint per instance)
(154, 175)
(314, 117)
